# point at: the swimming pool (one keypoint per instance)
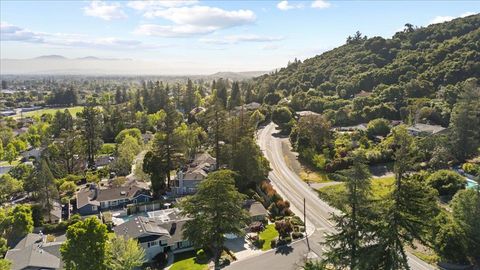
(471, 184)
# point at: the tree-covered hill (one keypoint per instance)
(416, 74)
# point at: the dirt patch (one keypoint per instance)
(291, 158)
(307, 174)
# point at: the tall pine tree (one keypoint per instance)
(350, 247)
(409, 210)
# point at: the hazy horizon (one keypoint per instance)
(196, 37)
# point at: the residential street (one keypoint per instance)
(292, 188)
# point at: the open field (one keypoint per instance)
(73, 111)
(335, 195)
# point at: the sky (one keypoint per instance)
(195, 36)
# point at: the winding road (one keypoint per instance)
(292, 188)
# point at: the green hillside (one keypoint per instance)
(415, 74)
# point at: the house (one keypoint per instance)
(160, 231)
(363, 94)
(197, 110)
(359, 127)
(256, 210)
(5, 169)
(252, 106)
(91, 200)
(55, 215)
(188, 178)
(103, 161)
(305, 113)
(36, 252)
(7, 113)
(33, 153)
(419, 129)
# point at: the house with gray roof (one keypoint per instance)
(419, 129)
(160, 231)
(93, 199)
(34, 252)
(189, 177)
(256, 210)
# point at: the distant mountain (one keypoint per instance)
(89, 58)
(92, 65)
(236, 75)
(50, 57)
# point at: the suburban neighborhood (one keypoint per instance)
(239, 135)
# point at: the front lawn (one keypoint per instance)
(187, 261)
(335, 195)
(268, 235)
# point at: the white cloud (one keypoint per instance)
(441, 19)
(321, 4)
(10, 32)
(233, 39)
(104, 10)
(172, 30)
(284, 5)
(144, 5)
(195, 20)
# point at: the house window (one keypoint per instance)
(113, 203)
(183, 244)
(94, 208)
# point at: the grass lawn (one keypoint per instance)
(73, 111)
(268, 235)
(313, 176)
(426, 256)
(107, 148)
(335, 195)
(186, 261)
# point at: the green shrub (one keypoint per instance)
(273, 243)
(201, 255)
(295, 220)
(319, 161)
(107, 149)
(471, 168)
(446, 182)
(259, 243)
(297, 235)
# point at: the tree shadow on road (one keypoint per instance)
(284, 250)
(279, 135)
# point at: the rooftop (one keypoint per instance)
(426, 128)
(166, 224)
(33, 252)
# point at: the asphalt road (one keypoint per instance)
(292, 188)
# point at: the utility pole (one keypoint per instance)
(305, 222)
